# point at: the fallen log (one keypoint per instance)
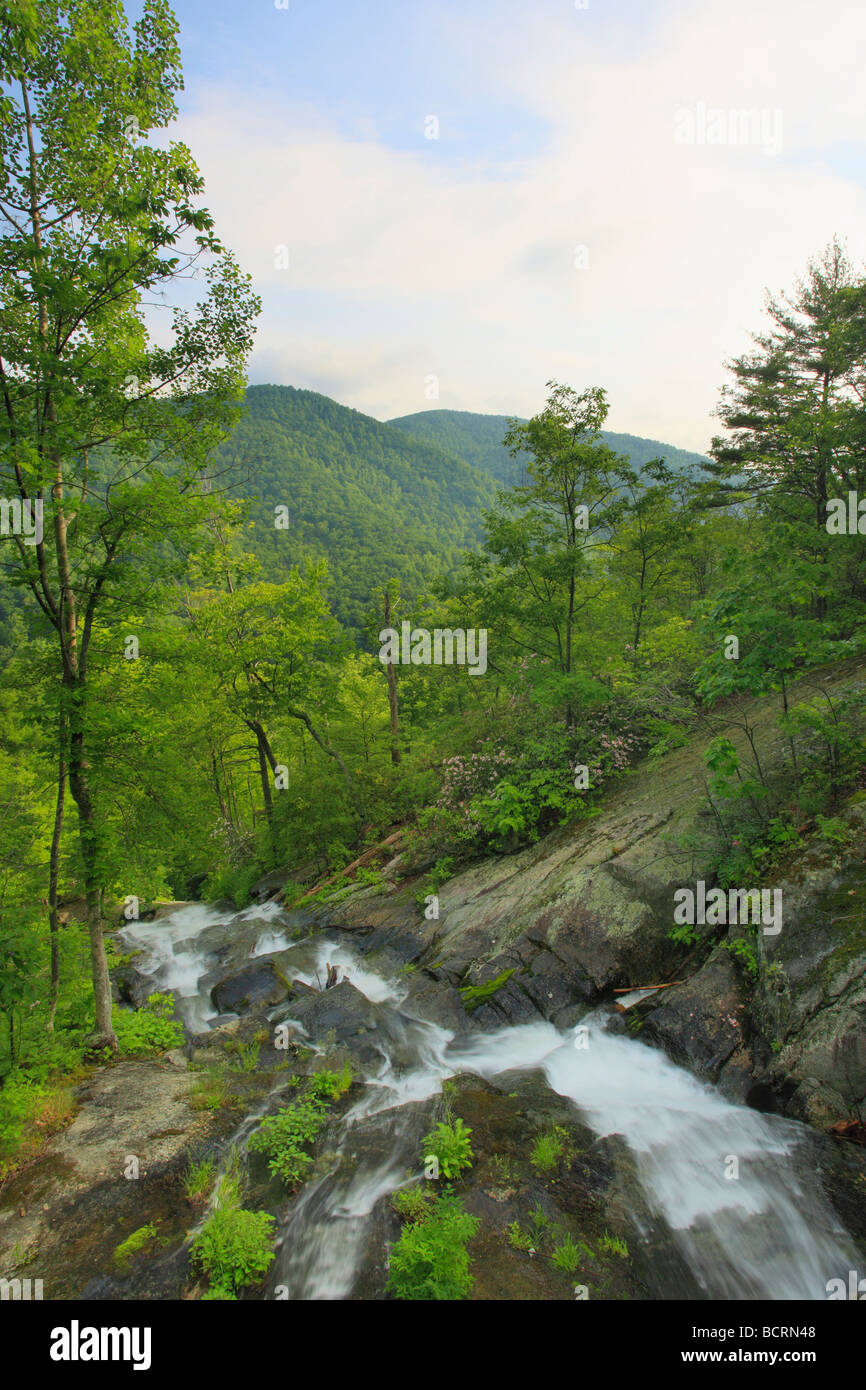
(355, 864)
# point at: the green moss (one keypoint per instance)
(474, 995)
(132, 1245)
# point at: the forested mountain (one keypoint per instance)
(478, 440)
(401, 499)
(371, 500)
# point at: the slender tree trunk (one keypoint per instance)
(79, 785)
(392, 693)
(54, 870)
(326, 748)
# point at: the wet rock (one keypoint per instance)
(700, 1022)
(342, 1014)
(258, 985)
(810, 1004)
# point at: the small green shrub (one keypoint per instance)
(413, 1203)
(234, 1249)
(430, 1260)
(449, 1145)
(148, 1029)
(330, 1085)
(283, 1138)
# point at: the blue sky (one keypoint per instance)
(445, 271)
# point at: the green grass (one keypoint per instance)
(199, 1179)
(613, 1245)
(549, 1148)
(210, 1091)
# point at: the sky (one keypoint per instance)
(448, 203)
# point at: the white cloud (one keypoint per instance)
(405, 264)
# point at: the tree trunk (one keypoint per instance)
(53, 871)
(79, 785)
(392, 693)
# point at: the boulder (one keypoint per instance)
(700, 1023)
(257, 985)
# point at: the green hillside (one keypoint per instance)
(478, 440)
(373, 501)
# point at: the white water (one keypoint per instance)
(766, 1233)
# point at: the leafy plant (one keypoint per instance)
(148, 1029)
(413, 1203)
(743, 950)
(684, 934)
(537, 1232)
(234, 1249)
(430, 1260)
(518, 1238)
(285, 1138)
(449, 1144)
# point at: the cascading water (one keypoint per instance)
(732, 1185)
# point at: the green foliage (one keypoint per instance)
(244, 1056)
(285, 1138)
(148, 1029)
(684, 935)
(745, 953)
(210, 1090)
(30, 1112)
(233, 1248)
(430, 1260)
(519, 1239)
(330, 1085)
(613, 1245)
(833, 829)
(414, 1203)
(449, 1144)
(537, 1232)
(549, 1148)
(566, 1255)
(199, 1179)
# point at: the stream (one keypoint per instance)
(767, 1233)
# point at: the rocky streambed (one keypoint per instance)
(643, 1181)
(696, 1141)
